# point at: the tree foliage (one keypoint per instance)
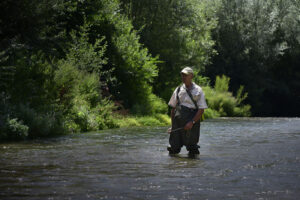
(178, 32)
(58, 59)
(258, 46)
(70, 64)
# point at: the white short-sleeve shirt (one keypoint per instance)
(185, 100)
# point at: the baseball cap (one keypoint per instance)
(187, 70)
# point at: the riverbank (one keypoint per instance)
(43, 128)
(86, 112)
(154, 120)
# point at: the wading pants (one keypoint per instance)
(189, 138)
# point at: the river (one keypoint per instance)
(241, 158)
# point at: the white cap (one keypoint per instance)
(187, 71)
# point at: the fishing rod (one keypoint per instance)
(177, 129)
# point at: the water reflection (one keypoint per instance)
(252, 158)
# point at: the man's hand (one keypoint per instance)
(169, 130)
(188, 126)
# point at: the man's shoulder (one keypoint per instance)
(197, 87)
(179, 87)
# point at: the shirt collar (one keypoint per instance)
(193, 84)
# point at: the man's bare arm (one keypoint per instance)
(172, 117)
(197, 117)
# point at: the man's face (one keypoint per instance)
(186, 78)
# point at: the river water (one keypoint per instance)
(241, 158)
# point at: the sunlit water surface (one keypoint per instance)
(250, 158)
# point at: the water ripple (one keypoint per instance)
(241, 158)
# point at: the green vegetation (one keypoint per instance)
(258, 45)
(75, 66)
(179, 31)
(154, 120)
(222, 103)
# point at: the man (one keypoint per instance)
(188, 104)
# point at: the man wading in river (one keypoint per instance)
(188, 104)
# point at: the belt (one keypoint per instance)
(190, 109)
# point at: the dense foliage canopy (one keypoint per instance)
(70, 65)
(258, 45)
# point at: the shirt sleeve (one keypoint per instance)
(173, 100)
(201, 101)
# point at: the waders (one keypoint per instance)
(179, 136)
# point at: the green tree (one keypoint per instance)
(258, 46)
(134, 67)
(178, 32)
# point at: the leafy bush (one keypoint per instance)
(242, 111)
(222, 103)
(78, 84)
(14, 129)
(134, 66)
(163, 118)
(127, 121)
(150, 106)
(83, 54)
(28, 123)
(74, 86)
(84, 108)
(105, 114)
(41, 124)
(10, 128)
(201, 80)
(222, 84)
(210, 113)
(84, 118)
(149, 121)
(154, 120)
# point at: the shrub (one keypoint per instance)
(127, 121)
(163, 118)
(41, 124)
(149, 121)
(79, 87)
(105, 113)
(84, 55)
(157, 105)
(242, 111)
(210, 113)
(134, 67)
(84, 118)
(20, 122)
(201, 80)
(222, 84)
(14, 130)
(150, 106)
(222, 103)
(155, 120)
